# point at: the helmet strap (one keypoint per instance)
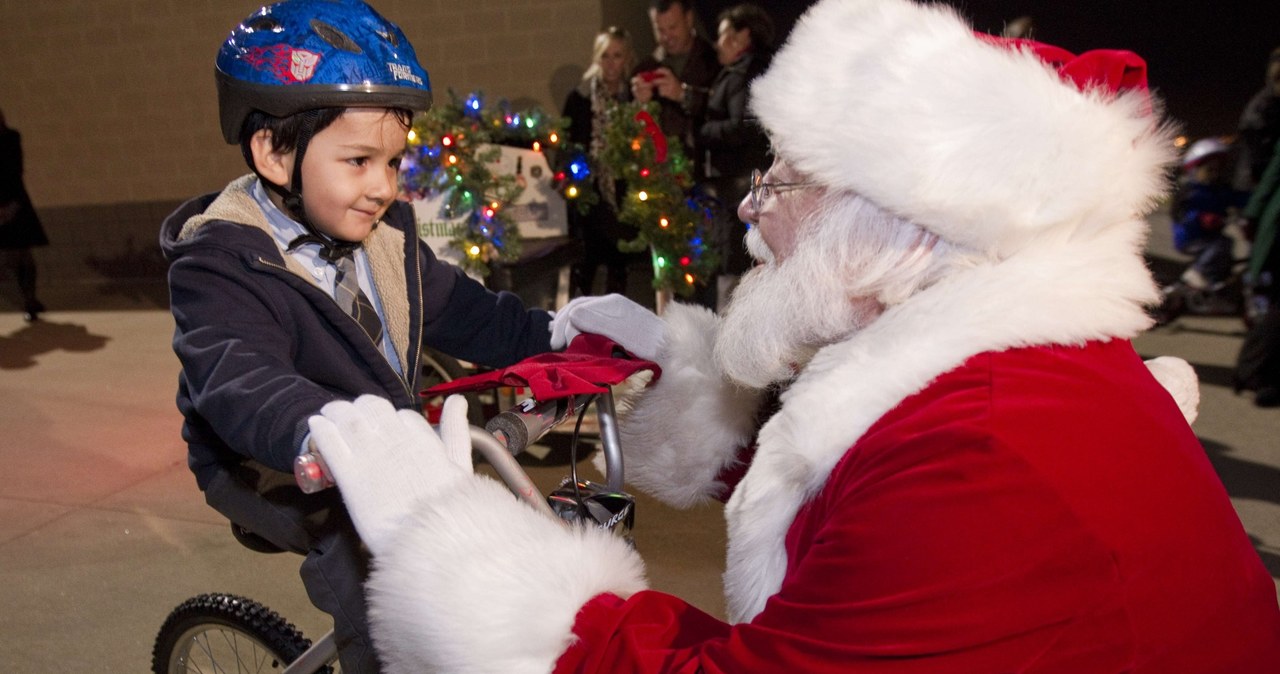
(331, 249)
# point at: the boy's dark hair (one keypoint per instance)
(755, 19)
(287, 131)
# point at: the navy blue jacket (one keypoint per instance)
(263, 348)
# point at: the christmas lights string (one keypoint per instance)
(453, 146)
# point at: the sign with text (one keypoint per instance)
(539, 211)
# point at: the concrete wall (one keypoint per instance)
(116, 105)
(115, 98)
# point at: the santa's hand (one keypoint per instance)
(632, 326)
(385, 461)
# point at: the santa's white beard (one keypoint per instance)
(850, 261)
(780, 314)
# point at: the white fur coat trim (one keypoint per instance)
(1061, 292)
(445, 599)
(982, 144)
(685, 430)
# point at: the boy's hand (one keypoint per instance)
(1211, 221)
(632, 326)
(385, 461)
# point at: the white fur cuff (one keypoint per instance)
(681, 433)
(479, 582)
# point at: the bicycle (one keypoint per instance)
(221, 632)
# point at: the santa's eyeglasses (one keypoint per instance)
(761, 190)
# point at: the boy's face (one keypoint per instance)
(350, 172)
(1209, 170)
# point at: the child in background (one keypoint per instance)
(1202, 207)
(1205, 202)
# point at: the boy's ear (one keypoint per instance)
(271, 164)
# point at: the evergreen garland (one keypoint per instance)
(452, 146)
(672, 223)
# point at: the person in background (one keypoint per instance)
(604, 84)
(1259, 127)
(20, 228)
(1203, 205)
(1022, 27)
(678, 76)
(967, 468)
(1258, 364)
(733, 143)
(679, 73)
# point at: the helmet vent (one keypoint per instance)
(262, 23)
(335, 37)
(390, 36)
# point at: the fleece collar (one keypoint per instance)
(385, 248)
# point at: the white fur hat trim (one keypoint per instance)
(983, 144)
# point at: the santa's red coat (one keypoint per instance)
(1034, 510)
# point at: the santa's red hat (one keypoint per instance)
(989, 143)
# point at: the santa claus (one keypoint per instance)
(939, 450)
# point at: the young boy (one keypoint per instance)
(1203, 203)
(271, 322)
(1201, 208)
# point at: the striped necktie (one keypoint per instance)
(353, 300)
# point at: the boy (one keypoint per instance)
(271, 321)
(1200, 212)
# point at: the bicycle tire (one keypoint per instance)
(230, 633)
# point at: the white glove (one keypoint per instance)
(386, 461)
(632, 326)
(1180, 380)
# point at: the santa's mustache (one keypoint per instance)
(850, 261)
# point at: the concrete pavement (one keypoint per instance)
(102, 530)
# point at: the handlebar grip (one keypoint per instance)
(528, 420)
(511, 430)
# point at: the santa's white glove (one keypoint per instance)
(632, 326)
(1181, 381)
(385, 461)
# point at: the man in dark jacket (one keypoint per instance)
(1259, 127)
(678, 75)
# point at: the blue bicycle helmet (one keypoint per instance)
(300, 55)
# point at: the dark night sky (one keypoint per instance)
(1205, 58)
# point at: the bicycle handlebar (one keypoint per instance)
(505, 436)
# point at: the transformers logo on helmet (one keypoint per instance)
(302, 64)
(285, 62)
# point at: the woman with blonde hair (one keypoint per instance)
(604, 84)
